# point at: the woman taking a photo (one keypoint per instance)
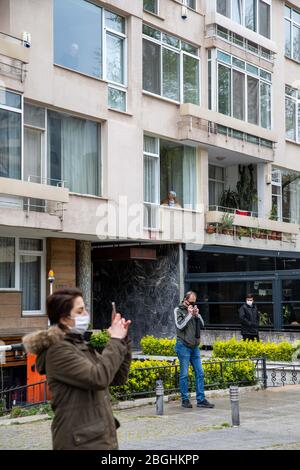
(77, 375)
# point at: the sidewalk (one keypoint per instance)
(270, 419)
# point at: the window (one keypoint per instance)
(167, 166)
(34, 131)
(190, 3)
(286, 194)
(170, 67)
(73, 152)
(216, 184)
(292, 33)
(22, 267)
(151, 6)
(292, 113)
(244, 43)
(91, 40)
(253, 14)
(243, 90)
(10, 134)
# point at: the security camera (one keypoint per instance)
(184, 12)
(26, 38)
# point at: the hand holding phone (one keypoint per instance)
(113, 311)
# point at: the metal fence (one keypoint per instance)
(218, 374)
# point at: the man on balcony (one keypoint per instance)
(249, 317)
(171, 200)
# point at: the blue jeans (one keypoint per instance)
(187, 355)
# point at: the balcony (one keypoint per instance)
(204, 126)
(233, 227)
(32, 205)
(13, 57)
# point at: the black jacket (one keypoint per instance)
(249, 317)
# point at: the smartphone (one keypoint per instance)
(113, 311)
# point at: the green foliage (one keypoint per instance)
(234, 349)
(158, 346)
(296, 350)
(44, 408)
(100, 339)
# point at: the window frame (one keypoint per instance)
(243, 14)
(104, 31)
(162, 45)
(151, 12)
(296, 100)
(18, 253)
(231, 66)
(292, 23)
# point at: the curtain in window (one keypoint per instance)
(30, 282)
(264, 19)
(73, 151)
(238, 94)
(253, 100)
(223, 7)
(237, 11)
(32, 154)
(189, 177)
(190, 80)
(151, 179)
(10, 144)
(151, 67)
(171, 74)
(171, 170)
(7, 262)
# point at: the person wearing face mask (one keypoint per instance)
(188, 322)
(249, 317)
(77, 375)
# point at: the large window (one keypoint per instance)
(244, 91)
(73, 152)
(253, 14)
(22, 267)
(167, 166)
(91, 40)
(286, 195)
(10, 134)
(292, 113)
(292, 33)
(170, 67)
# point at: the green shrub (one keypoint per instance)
(44, 408)
(100, 339)
(142, 380)
(296, 350)
(234, 349)
(158, 346)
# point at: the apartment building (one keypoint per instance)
(106, 106)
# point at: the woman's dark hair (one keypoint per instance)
(249, 296)
(60, 303)
(188, 294)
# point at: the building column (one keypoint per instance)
(264, 189)
(84, 271)
(202, 181)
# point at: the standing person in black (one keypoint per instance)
(249, 317)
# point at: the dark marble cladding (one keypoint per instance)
(145, 291)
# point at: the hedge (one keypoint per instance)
(158, 346)
(142, 380)
(234, 349)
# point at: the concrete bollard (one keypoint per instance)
(234, 399)
(159, 392)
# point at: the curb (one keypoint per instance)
(124, 405)
(23, 419)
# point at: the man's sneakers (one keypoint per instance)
(204, 404)
(186, 404)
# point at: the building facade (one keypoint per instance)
(106, 106)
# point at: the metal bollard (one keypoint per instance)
(159, 392)
(234, 399)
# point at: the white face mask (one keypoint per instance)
(82, 322)
(250, 302)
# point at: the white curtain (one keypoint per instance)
(10, 144)
(189, 177)
(32, 154)
(78, 154)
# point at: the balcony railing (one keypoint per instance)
(13, 57)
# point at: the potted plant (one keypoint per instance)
(227, 223)
(229, 199)
(243, 232)
(273, 235)
(211, 228)
(255, 232)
